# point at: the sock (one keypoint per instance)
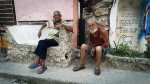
(81, 62)
(98, 64)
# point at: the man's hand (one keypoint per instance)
(39, 34)
(92, 52)
(59, 26)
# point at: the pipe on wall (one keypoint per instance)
(75, 23)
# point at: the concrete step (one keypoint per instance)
(57, 75)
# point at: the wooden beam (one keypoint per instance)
(6, 11)
(6, 19)
(7, 15)
(5, 6)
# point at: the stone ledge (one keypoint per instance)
(128, 62)
(117, 62)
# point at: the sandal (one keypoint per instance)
(33, 66)
(97, 71)
(41, 70)
(79, 67)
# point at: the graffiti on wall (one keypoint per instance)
(128, 22)
(126, 39)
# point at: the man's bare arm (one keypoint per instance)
(88, 34)
(43, 26)
(68, 28)
(104, 35)
(40, 31)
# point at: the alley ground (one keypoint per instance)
(66, 75)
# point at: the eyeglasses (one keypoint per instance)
(91, 25)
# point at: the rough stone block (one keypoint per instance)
(56, 56)
(107, 0)
(64, 52)
(103, 21)
(101, 11)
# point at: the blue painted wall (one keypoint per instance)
(144, 26)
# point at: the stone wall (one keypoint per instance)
(56, 56)
(63, 54)
(147, 52)
(100, 11)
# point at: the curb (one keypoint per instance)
(34, 80)
(140, 63)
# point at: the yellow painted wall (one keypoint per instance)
(3, 42)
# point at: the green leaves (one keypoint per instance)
(124, 50)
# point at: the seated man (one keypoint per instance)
(52, 40)
(99, 45)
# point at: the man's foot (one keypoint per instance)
(33, 66)
(78, 67)
(42, 69)
(97, 71)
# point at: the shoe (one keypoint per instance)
(97, 71)
(79, 67)
(41, 70)
(33, 66)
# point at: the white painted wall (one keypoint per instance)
(113, 25)
(27, 34)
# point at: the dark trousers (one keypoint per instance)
(42, 46)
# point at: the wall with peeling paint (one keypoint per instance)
(35, 10)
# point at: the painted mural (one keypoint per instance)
(145, 24)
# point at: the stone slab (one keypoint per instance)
(27, 34)
(67, 76)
